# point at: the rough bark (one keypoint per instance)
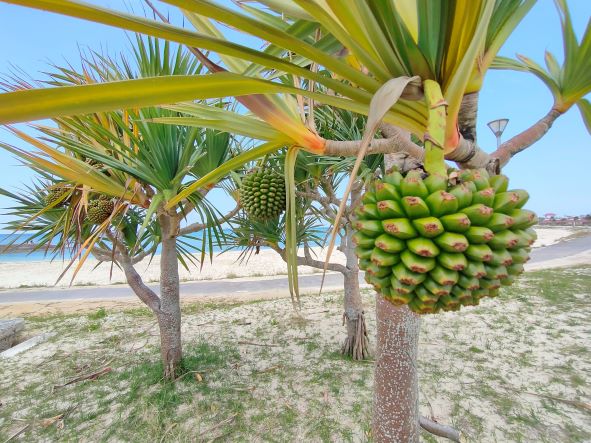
(396, 390)
(356, 344)
(468, 115)
(469, 155)
(396, 387)
(526, 138)
(169, 315)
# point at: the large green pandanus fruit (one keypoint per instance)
(442, 260)
(436, 240)
(56, 196)
(262, 194)
(99, 210)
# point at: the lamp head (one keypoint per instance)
(498, 126)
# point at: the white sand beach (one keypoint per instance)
(266, 263)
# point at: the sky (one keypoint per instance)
(555, 171)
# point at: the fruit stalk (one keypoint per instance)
(434, 138)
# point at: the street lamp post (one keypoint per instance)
(497, 127)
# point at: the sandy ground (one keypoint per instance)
(39, 273)
(514, 369)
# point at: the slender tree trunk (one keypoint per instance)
(357, 342)
(169, 315)
(396, 390)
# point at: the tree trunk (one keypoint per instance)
(169, 315)
(396, 389)
(357, 342)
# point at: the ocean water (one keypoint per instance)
(40, 255)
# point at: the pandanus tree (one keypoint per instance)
(104, 178)
(319, 180)
(372, 57)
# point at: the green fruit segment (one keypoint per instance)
(406, 276)
(452, 242)
(496, 272)
(426, 296)
(400, 228)
(500, 222)
(428, 227)
(500, 183)
(480, 179)
(435, 288)
(390, 244)
(485, 197)
(362, 240)
(435, 182)
(367, 211)
(423, 247)
(469, 283)
(452, 261)
(400, 298)
(363, 253)
(463, 194)
(442, 203)
(478, 214)
(369, 197)
(461, 293)
(457, 222)
(378, 271)
(416, 263)
(475, 269)
(486, 283)
(479, 235)
(507, 201)
(413, 185)
(389, 209)
(415, 207)
(386, 191)
(443, 276)
(504, 240)
(515, 269)
(522, 218)
(383, 258)
(519, 255)
(394, 178)
(371, 228)
(501, 257)
(480, 253)
(401, 288)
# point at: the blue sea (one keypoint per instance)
(40, 255)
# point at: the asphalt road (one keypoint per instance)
(236, 287)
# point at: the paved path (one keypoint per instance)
(236, 287)
(561, 250)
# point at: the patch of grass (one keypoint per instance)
(99, 314)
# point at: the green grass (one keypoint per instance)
(479, 371)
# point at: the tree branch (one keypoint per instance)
(469, 155)
(440, 430)
(134, 280)
(196, 227)
(308, 260)
(397, 141)
(526, 138)
(468, 115)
